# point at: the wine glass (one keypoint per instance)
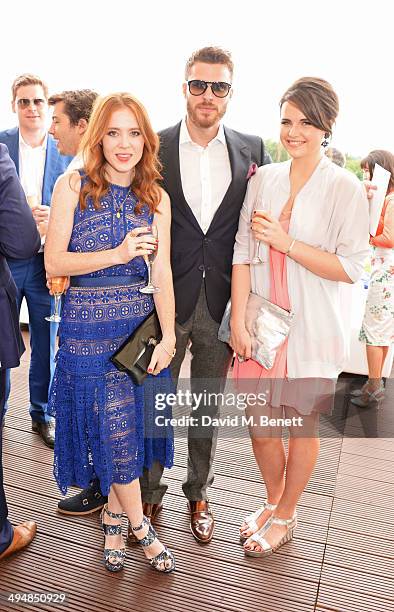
(58, 285)
(149, 259)
(257, 258)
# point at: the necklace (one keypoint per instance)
(120, 204)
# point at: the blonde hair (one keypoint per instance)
(28, 79)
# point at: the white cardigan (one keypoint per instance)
(331, 214)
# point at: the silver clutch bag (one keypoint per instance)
(267, 324)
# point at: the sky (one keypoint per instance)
(142, 47)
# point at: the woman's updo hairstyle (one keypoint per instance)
(316, 99)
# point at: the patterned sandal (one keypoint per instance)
(251, 519)
(157, 562)
(111, 553)
(267, 549)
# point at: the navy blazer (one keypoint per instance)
(55, 164)
(19, 239)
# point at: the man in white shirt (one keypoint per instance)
(205, 170)
(38, 165)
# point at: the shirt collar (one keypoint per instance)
(184, 135)
(24, 145)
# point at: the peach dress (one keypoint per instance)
(306, 395)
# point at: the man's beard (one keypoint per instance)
(207, 121)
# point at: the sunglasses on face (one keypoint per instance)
(220, 89)
(25, 102)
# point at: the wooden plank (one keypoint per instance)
(358, 483)
(336, 599)
(383, 465)
(367, 473)
(365, 544)
(363, 510)
(363, 561)
(367, 526)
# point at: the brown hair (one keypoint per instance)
(316, 99)
(78, 104)
(210, 55)
(336, 156)
(384, 159)
(147, 171)
(28, 79)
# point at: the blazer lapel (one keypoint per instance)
(169, 155)
(240, 159)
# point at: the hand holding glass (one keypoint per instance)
(58, 285)
(257, 258)
(150, 288)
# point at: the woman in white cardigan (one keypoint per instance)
(311, 225)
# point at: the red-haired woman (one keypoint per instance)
(377, 330)
(98, 236)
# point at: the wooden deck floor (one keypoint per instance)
(340, 559)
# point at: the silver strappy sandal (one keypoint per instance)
(161, 558)
(257, 537)
(251, 519)
(112, 553)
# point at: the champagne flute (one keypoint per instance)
(257, 258)
(58, 285)
(149, 259)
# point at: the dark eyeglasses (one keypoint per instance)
(25, 102)
(220, 89)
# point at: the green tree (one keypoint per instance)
(276, 150)
(353, 164)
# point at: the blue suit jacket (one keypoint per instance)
(55, 164)
(19, 239)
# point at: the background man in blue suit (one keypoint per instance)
(18, 239)
(38, 165)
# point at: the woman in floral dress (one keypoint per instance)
(377, 329)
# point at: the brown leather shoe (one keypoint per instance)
(150, 511)
(201, 521)
(23, 535)
(46, 431)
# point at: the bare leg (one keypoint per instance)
(114, 542)
(302, 457)
(270, 456)
(375, 357)
(128, 497)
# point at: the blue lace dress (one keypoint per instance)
(105, 424)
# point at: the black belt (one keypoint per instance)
(104, 281)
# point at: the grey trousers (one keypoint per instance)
(208, 371)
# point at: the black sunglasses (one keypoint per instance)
(220, 89)
(25, 102)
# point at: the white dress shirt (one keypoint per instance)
(205, 174)
(329, 213)
(31, 167)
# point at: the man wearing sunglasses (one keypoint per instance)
(205, 170)
(38, 164)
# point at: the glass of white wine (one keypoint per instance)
(58, 285)
(150, 288)
(257, 257)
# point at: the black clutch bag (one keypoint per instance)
(136, 352)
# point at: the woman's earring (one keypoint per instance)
(326, 142)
